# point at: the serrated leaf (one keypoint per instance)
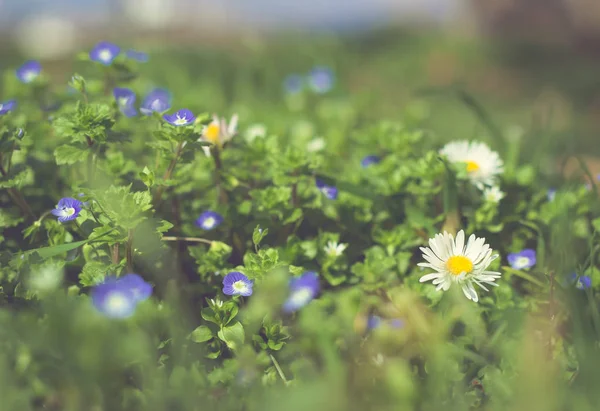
(69, 154)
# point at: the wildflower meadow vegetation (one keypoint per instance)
(192, 233)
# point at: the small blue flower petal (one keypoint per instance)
(551, 194)
(209, 220)
(7, 106)
(67, 209)
(302, 291)
(236, 283)
(369, 160)
(29, 71)
(293, 84)
(581, 282)
(373, 322)
(158, 100)
(183, 117)
(524, 259)
(321, 79)
(330, 192)
(104, 53)
(136, 284)
(125, 101)
(114, 299)
(139, 56)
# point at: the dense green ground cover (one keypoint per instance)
(326, 310)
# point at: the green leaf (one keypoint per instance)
(258, 235)
(49, 252)
(201, 334)
(233, 335)
(69, 154)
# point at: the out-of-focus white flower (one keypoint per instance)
(493, 194)
(483, 165)
(316, 144)
(333, 249)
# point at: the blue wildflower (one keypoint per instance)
(118, 297)
(29, 71)
(302, 291)
(104, 53)
(396, 323)
(330, 192)
(125, 101)
(373, 322)
(158, 100)
(141, 289)
(183, 117)
(67, 209)
(209, 220)
(523, 259)
(581, 282)
(114, 299)
(236, 283)
(321, 79)
(293, 84)
(7, 106)
(369, 160)
(139, 56)
(551, 194)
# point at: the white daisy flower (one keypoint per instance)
(455, 262)
(316, 144)
(255, 131)
(333, 249)
(493, 194)
(483, 165)
(219, 132)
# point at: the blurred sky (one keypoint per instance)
(308, 13)
(51, 28)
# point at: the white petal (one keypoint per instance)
(459, 243)
(428, 277)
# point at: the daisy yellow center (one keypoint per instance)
(472, 166)
(459, 264)
(212, 133)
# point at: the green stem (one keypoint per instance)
(221, 194)
(524, 275)
(16, 195)
(188, 239)
(279, 370)
(129, 251)
(168, 174)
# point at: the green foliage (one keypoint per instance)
(530, 343)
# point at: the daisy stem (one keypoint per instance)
(168, 173)
(279, 370)
(221, 195)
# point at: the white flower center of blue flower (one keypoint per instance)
(68, 211)
(240, 286)
(105, 55)
(123, 101)
(209, 222)
(116, 303)
(522, 262)
(29, 76)
(301, 297)
(180, 120)
(1, 106)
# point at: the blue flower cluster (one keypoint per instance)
(320, 80)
